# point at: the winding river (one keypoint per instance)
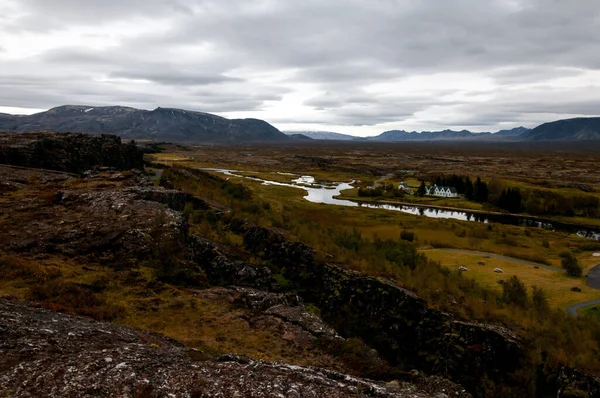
(326, 193)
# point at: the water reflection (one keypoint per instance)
(325, 193)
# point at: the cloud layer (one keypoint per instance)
(353, 65)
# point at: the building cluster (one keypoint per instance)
(443, 192)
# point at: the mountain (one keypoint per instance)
(301, 137)
(577, 129)
(512, 132)
(448, 135)
(165, 124)
(324, 135)
(401, 135)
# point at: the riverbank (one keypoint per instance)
(559, 223)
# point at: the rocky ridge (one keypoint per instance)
(45, 353)
(74, 153)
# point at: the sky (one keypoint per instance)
(358, 67)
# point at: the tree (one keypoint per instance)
(514, 292)
(570, 263)
(480, 191)
(421, 191)
(469, 189)
(510, 199)
(539, 300)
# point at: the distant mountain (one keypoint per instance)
(448, 135)
(512, 132)
(300, 137)
(323, 135)
(165, 124)
(578, 129)
(401, 135)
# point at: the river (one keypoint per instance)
(326, 193)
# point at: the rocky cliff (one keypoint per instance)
(391, 319)
(74, 153)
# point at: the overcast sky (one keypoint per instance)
(353, 66)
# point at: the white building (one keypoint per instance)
(404, 187)
(443, 192)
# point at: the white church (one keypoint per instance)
(443, 192)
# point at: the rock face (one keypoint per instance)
(393, 320)
(47, 354)
(74, 153)
(165, 124)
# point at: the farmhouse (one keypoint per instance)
(444, 192)
(404, 187)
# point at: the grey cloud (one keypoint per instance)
(532, 74)
(207, 53)
(47, 15)
(177, 78)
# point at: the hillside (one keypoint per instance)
(165, 124)
(578, 129)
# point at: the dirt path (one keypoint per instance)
(593, 274)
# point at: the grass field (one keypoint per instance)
(557, 285)
(529, 244)
(591, 312)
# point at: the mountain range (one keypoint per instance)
(401, 135)
(178, 125)
(161, 124)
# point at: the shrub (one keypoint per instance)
(407, 235)
(15, 268)
(546, 244)
(252, 208)
(74, 298)
(514, 292)
(539, 300)
(589, 246)
(570, 264)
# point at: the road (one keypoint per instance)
(572, 309)
(593, 274)
(594, 277)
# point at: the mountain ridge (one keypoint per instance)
(403, 135)
(184, 126)
(575, 129)
(168, 124)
